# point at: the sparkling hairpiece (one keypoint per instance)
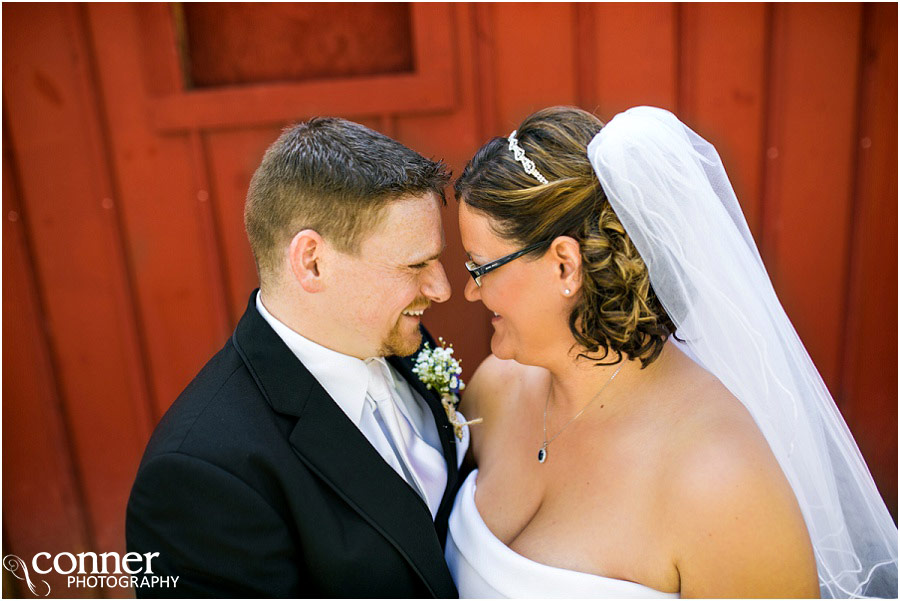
(527, 163)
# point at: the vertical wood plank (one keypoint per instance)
(636, 57)
(42, 506)
(809, 181)
(66, 192)
(233, 157)
(166, 210)
(529, 75)
(585, 57)
(480, 19)
(869, 399)
(210, 239)
(721, 90)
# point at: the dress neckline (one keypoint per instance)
(529, 572)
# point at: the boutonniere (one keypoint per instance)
(438, 370)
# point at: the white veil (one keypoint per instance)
(669, 189)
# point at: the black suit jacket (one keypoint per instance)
(256, 484)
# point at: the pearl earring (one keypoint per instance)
(567, 292)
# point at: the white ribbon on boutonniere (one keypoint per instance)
(439, 371)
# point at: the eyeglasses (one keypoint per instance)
(476, 271)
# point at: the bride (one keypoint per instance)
(653, 427)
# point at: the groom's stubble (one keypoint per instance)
(403, 344)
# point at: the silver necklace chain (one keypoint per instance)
(542, 453)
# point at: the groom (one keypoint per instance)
(305, 459)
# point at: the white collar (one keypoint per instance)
(343, 377)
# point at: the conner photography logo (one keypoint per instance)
(89, 570)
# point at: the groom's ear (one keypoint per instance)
(565, 252)
(304, 256)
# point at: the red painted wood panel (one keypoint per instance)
(79, 265)
(869, 401)
(425, 90)
(529, 75)
(162, 194)
(721, 90)
(636, 57)
(42, 509)
(810, 171)
(479, 46)
(233, 45)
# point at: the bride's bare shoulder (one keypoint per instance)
(494, 382)
(731, 511)
(713, 441)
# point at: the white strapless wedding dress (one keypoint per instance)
(483, 567)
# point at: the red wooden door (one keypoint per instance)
(131, 132)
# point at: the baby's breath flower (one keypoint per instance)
(438, 370)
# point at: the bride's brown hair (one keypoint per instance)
(617, 310)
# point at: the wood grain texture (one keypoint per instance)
(532, 54)
(722, 77)
(163, 201)
(816, 61)
(40, 477)
(868, 403)
(636, 48)
(252, 42)
(79, 265)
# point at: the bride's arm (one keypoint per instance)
(736, 528)
(482, 397)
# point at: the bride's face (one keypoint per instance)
(528, 315)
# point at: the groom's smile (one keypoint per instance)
(417, 309)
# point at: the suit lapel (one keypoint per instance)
(331, 446)
(334, 448)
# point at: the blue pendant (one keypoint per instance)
(542, 455)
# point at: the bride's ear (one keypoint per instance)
(305, 259)
(565, 253)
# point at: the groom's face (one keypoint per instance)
(382, 291)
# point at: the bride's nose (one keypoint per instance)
(472, 292)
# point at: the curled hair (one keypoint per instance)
(332, 176)
(617, 310)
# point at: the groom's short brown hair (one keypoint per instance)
(332, 176)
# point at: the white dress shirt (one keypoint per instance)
(346, 379)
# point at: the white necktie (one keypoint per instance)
(422, 466)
